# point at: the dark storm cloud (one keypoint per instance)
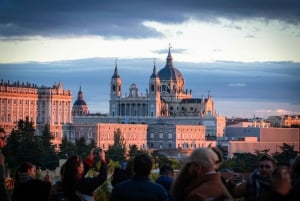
(120, 18)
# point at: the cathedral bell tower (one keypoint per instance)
(115, 92)
(115, 84)
(154, 106)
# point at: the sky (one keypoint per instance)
(245, 52)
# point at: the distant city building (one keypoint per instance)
(257, 123)
(164, 136)
(285, 121)
(43, 105)
(252, 139)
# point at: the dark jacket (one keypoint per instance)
(87, 185)
(166, 182)
(3, 192)
(33, 190)
(138, 188)
(258, 188)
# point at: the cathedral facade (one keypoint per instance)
(166, 96)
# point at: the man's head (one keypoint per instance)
(166, 170)
(205, 157)
(142, 165)
(2, 138)
(266, 165)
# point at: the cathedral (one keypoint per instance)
(166, 96)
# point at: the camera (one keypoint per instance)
(97, 150)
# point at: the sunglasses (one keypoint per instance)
(265, 166)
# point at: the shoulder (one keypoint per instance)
(38, 184)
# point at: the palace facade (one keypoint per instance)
(42, 105)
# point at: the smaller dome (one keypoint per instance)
(80, 107)
(79, 102)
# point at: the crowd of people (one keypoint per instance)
(199, 179)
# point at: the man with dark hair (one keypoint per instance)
(165, 178)
(3, 192)
(139, 187)
(258, 186)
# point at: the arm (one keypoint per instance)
(88, 184)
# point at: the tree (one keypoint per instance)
(50, 159)
(133, 150)
(82, 148)
(117, 151)
(241, 162)
(287, 153)
(66, 149)
(11, 149)
(23, 145)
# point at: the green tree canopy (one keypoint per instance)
(50, 159)
(286, 155)
(66, 149)
(24, 145)
(117, 151)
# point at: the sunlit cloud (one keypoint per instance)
(279, 112)
(237, 85)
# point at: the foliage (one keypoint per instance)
(286, 155)
(241, 162)
(133, 150)
(103, 192)
(159, 160)
(82, 148)
(117, 151)
(24, 145)
(66, 148)
(50, 159)
(247, 162)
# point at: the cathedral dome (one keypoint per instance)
(79, 102)
(80, 107)
(169, 72)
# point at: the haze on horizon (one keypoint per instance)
(245, 52)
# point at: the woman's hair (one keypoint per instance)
(70, 174)
(24, 167)
(204, 157)
(185, 176)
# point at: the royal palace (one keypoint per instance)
(166, 116)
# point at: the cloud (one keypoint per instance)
(119, 18)
(279, 111)
(282, 111)
(237, 85)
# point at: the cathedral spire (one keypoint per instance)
(116, 73)
(169, 58)
(154, 73)
(80, 94)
